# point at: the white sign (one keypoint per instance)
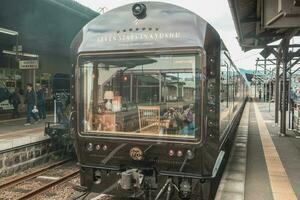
(28, 64)
(20, 48)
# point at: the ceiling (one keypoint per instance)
(260, 22)
(44, 26)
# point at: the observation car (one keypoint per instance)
(155, 100)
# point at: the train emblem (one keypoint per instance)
(136, 153)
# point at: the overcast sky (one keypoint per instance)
(216, 12)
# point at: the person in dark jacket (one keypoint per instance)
(15, 100)
(61, 104)
(31, 104)
(41, 102)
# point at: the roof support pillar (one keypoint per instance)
(265, 85)
(277, 95)
(255, 88)
(285, 49)
(289, 95)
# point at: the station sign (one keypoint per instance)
(28, 64)
(20, 48)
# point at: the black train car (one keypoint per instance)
(154, 97)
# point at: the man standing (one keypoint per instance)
(15, 100)
(41, 102)
(61, 103)
(30, 99)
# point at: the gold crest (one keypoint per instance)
(136, 153)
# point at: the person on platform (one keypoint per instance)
(189, 125)
(15, 100)
(259, 94)
(61, 104)
(30, 100)
(41, 102)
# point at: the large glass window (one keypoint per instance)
(140, 96)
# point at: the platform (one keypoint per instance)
(22, 147)
(262, 165)
(13, 133)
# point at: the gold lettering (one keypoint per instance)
(161, 36)
(145, 36)
(177, 34)
(138, 36)
(99, 39)
(151, 36)
(132, 36)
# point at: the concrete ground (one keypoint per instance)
(288, 150)
(272, 162)
(13, 133)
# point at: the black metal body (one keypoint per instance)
(166, 29)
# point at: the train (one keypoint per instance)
(155, 101)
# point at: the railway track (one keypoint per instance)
(39, 181)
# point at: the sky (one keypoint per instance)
(216, 12)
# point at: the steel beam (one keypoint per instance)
(295, 71)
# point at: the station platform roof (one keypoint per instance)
(44, 26)
(259, 23)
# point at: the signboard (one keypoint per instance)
(28, 64)
(20, 48)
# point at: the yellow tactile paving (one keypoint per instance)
(279, 181)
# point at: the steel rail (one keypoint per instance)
(32, 175)
(49, 185)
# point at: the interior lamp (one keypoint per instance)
(108, 95)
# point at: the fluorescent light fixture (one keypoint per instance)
(20, 54)
(9, 32)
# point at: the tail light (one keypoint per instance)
(104, 147)
(179, 153)
(171, 153)
(98, 147)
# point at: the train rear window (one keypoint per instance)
(141, 96)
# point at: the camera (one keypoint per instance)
(139, 10)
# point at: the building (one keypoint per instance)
(42, 30)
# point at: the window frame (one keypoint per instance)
(199, 134)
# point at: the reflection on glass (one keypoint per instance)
(231, 93)
(143, 96)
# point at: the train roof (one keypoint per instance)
(163, 26)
